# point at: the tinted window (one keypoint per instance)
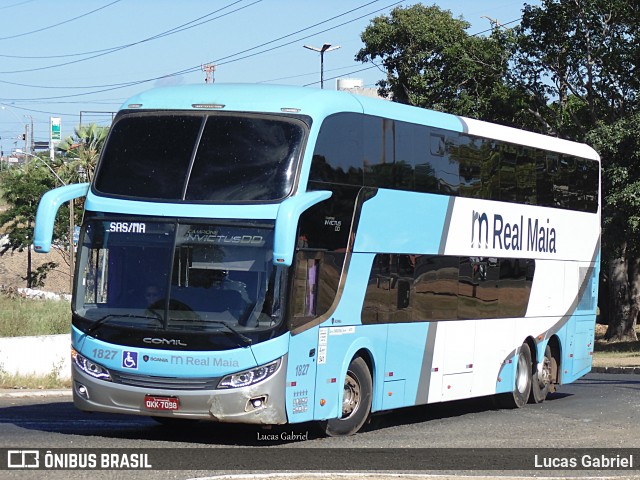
(416, 288)
(245, 158)
(383, 153)
(238, 158)
(148, 156)
(337, 157)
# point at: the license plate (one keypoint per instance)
(151, 402)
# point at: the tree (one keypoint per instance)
(576, 58)
(24, 186)
(579, 61)
(81, 152)
(432, 62)
(619, 144)
(22, 189)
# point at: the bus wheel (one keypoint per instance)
(356, 403)
(522, 388)
(541, 382)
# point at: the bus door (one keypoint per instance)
(303, 344)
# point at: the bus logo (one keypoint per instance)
(482, 222)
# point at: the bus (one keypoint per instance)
(269, 254)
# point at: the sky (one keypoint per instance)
(81, 60)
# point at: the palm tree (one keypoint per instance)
(81, 152)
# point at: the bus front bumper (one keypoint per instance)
(262, 403)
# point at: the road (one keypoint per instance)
(598, 411)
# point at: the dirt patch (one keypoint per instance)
(615, 354)
(13, 266)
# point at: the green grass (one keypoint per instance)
(23, 317)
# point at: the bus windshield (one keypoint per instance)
(177, 277)
(198, 157)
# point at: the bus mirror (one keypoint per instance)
(47, 209)
(289, 213)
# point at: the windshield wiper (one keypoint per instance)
(101, 321)
(244, 340)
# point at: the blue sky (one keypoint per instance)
(46, 68)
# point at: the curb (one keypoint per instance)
(635, 370)
(26, 393)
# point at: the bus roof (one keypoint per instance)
(319, 104)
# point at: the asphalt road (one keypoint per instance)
(599, 411)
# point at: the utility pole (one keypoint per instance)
(26, 143)
(209, 69)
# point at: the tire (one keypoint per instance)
(356, 403)
(522, 388)
(541, 378)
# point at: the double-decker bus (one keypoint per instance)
(271, 254)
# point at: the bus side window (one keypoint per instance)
(469, 156)
(337, 157)
(305, 285)
(315, 284)
(446, 166)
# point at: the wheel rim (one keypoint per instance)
(351, 398)
(544, 375)
(522, 377)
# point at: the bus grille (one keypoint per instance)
(167, 383)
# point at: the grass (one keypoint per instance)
(34, 382)
(24, 317)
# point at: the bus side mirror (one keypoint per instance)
(287, 219)
(47, 209)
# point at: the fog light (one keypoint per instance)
(82, 391)
(256, 402)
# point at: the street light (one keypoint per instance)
(324, 48)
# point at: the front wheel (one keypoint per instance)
(356, 402)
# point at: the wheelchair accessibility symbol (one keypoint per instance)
(130, 359)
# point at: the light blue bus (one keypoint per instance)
(271, 254)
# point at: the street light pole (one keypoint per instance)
(324, 48)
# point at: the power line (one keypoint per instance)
(171, 31)
(116, 49)
(195, 68)
(59, 23)
(16, 4)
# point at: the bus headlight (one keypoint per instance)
(90, 368)
(249, 377)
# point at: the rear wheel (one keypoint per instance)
(520, 395)
(541, 379)
(356, 402)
